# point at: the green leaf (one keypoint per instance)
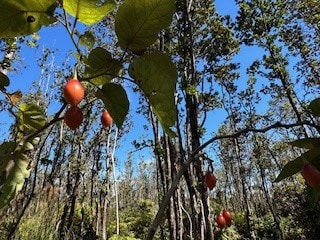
(313, 195)
(139, 21)
(116, 101)
(314, 106)
(24, 17)
(28, 146)
(89, 11)
(31, 117)
(11, 182)
(295, 166)
(87, 39)
(101, 67)
(6, 149)
(307, 143)
(290, 169)
(4, 80)
(156, 75)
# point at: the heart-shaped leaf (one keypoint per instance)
(31, 117)
(139, 21)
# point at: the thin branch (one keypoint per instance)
(196, 154)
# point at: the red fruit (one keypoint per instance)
(73, 117)
(106, 119)
(210, 180)
(73, 92)
(227, 216)
(311, 175)
(221, 222)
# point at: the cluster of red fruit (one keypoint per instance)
(224, 219)
(73, 94)
(311, 175)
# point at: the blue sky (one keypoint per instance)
(56, 38)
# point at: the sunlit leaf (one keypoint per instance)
(31, 117)
(12, 182)
(24, 17)
(87, 39)
(315, 107)
(89, 11)
(15, 96)
(116, 101)
(101, 67)
(139, 21)
(4, 80)
(28, 146)
(156, 75)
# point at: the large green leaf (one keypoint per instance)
(116, 101)
(156, 75)
(31, 117)
(4, 80)
(295, 166)
(24, 17)
(290, 169)
(315, 107)
(101, 67)
(11, 182)
(89, 11)
(139, 21)
(307, 143)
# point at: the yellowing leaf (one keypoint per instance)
(31, 117)
(89, 11)
(11, 184)
(15, 96)
(139, 21)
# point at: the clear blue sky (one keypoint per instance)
(56, 38)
